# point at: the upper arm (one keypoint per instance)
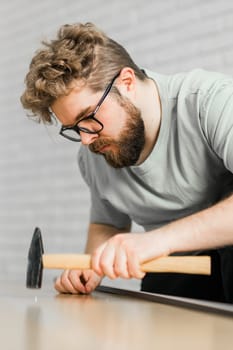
(217, 121)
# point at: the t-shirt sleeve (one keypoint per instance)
(102, 211)
(217, 120)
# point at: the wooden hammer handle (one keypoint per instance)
(179, 264)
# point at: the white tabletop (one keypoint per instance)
(42, 319)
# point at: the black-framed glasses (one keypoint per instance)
(89, 124)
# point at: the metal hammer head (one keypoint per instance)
(35, 265)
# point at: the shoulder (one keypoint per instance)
(196, 81)
(198, 89)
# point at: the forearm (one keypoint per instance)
(207, 229)
(100, 233)
(122, 255)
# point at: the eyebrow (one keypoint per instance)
(80, 115)
(83, 113)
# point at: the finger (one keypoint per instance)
(95, 259)
(134, 267)
(58, 286)
(106, 261)
(120, 264)
(76, 279)
(92, 280)
(66, 282)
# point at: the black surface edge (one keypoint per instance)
(196, 304)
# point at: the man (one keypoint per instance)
(155, 149)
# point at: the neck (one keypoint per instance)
(151, 113)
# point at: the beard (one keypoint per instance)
(126, 149)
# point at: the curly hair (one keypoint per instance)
(80, 51)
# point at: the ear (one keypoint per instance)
(126, 81)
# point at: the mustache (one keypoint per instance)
(100, 143)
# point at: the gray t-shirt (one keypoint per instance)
(190, 167)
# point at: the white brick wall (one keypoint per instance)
(40, 184)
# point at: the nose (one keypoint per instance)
(87, 139)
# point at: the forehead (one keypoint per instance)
(80, 100)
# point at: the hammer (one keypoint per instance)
(37, 260)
